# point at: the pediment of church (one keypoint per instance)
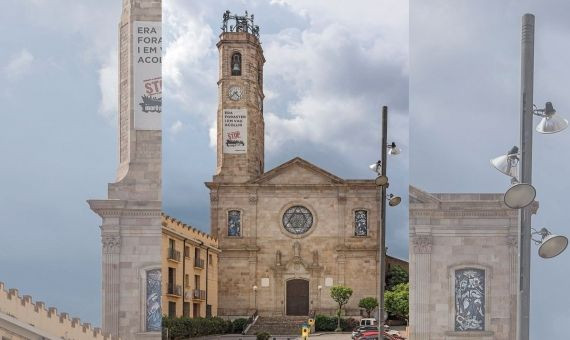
(421, 197)
(298, 172)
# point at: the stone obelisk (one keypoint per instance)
(131, 225)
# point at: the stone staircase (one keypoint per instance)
(278, 325)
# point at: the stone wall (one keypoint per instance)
(266, 255)
(21, 318)
(450, 232)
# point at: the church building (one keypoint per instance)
(289, 234)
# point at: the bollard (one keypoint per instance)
(304, 332)
(311, 323)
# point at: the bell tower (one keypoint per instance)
(240, 125)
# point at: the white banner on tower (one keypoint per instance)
(234, 134)
(147, 74)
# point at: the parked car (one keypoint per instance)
(368, 322)
(373, 335)
(361, 329)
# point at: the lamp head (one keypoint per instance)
(381, 181)
(394, 200)
(376, 167)
(507, 164)
(519, 195)
(551, 122)
(551, 245)
(393, 149)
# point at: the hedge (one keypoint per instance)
(324, 323)
(182, 328)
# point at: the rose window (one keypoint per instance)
(297, 220)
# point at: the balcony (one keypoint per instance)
(199, 263)
(198, 294)
(175, 290)
(173, 255)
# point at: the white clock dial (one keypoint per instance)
(235, 93)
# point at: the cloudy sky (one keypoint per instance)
(464, 104)
(57, 145)
(328, 71)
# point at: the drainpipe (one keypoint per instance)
(207, 265)
(183, 272)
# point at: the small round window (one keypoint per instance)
(297, 220)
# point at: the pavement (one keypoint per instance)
(316, 336)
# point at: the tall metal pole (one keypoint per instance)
(527, 78)
(382, 236)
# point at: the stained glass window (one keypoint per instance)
(234, 223)
(470, 299)
(297, 220)
(360, 223)
(153, 312)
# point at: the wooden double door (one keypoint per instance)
(297, 297)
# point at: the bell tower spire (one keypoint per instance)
(240, 125)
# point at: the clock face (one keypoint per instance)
(235, 93)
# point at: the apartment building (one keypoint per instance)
(189, 270)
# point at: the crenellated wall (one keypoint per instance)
(21, 318)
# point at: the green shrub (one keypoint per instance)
(180, 328)
(349, 324)
(238, 326)
(263, 336)
(324, 323)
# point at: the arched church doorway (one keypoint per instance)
(297, 297)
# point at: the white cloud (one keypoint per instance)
(108, 85)
(176, 127)
(94, 30)
(335, 74)
(19, 64)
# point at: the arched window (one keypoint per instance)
(236, 64)
(234, 223)
(469, 299)
(360, 223)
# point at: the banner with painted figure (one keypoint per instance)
(234, 134)
(147, 74)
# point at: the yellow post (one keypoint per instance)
(311, 323)
(305, 332)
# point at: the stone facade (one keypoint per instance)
(21, 318)
(131, 215)
(190, 267)
(267, 256)
(252, 209)
(463, 266)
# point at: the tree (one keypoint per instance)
(396, 275)
(368, 304)
(341, 295)
(396, 301)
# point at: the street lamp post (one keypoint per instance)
(382, 234)
(525, 214)
(521, 194)
(255, 297)
(381, 181)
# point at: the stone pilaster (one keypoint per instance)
(111, 241)
(420, 259)
(131, 214)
